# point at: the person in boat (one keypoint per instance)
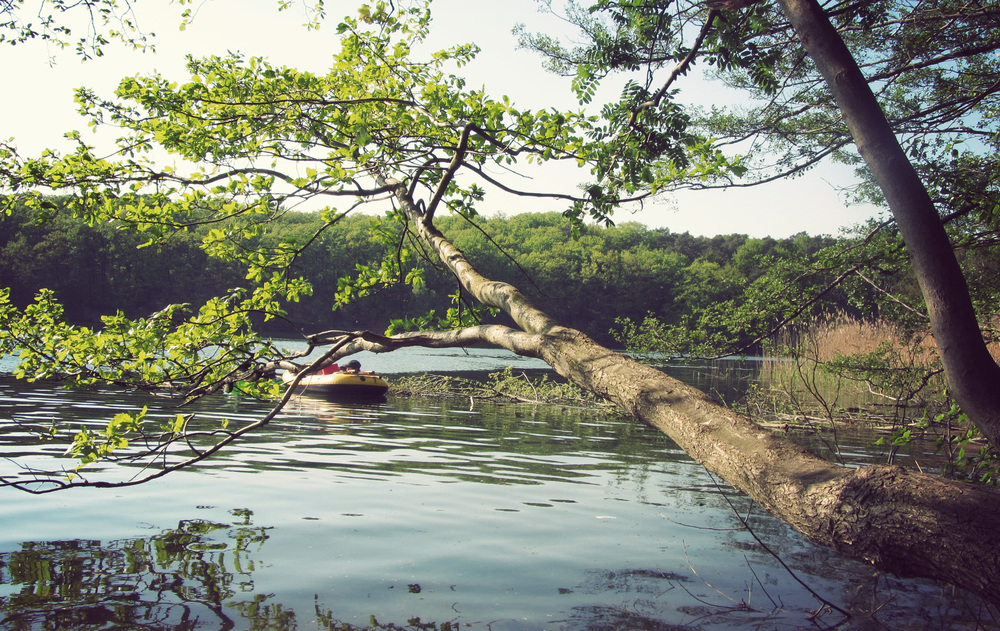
(352, 367)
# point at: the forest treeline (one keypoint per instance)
(586, 280)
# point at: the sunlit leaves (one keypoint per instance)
(89, 447)
(175, 348)
(461, 314)
(101, 22)
(259, 135)
(239, 142)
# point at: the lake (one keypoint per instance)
(421, 514)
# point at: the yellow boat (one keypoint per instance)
(341, 386)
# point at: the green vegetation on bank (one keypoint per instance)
(503, 385)
(586, 281)
(858, 342)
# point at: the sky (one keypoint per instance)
(37, 108)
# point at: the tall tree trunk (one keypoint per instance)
(973, 376)
(907, 523)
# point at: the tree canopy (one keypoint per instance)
(623, 271)
(256, 142)
(931, 65)
(102, 22)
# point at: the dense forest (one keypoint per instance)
(625, 271)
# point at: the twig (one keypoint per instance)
(700, 527)
(777, 558)
(761, 583)
(695, 572)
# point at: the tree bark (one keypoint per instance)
(972, 374)
(906, 523)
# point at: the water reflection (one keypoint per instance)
(183, 578)
(725, 379)
(202, 575)
(425, 515)
(513, 444)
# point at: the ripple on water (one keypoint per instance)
(550, 519)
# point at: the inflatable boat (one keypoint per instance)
(341, 386)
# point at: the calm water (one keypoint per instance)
(423, 514)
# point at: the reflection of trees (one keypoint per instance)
(179, 579)
(182, 579)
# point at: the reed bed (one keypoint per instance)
(837, 335)
(839, 368)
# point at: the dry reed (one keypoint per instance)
(837, 367)
(836, 335)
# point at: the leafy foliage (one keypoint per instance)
(101, 21)
(251, 142)
(970, 456)
(932, 65)
(248, 143)
(623, 271)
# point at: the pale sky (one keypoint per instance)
(37, 108)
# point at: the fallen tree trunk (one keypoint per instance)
(908, 523)
(903, 522)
